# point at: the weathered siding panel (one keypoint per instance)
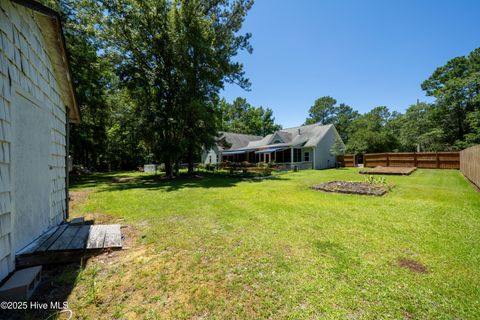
(323, 157)
(6, 56)
(26, 66)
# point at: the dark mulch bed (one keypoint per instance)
(401, 171)
(352, 187)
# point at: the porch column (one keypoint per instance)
(291, 157)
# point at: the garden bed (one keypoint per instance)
(352, 187)
(401, 171)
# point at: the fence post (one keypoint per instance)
(388, 159)
(415, 159)
(438, 160)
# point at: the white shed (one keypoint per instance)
(37, 102)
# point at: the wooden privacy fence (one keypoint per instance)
(470, 164)
(347, 160)
(432, 160)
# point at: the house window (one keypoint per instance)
(306, 156)
(217, 158)
(297, 155)
(209, 159)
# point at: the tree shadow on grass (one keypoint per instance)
(95, 179)
(115, 182)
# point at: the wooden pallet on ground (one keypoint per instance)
(69, 242)
(401, 171)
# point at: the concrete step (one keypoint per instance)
(21, 285)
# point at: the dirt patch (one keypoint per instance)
(412, 265)
(352, 187)
(180, 177)
(79, 196)
(401, 171)
(124, 179)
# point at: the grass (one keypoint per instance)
(222, 248)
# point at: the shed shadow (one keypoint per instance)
(58, 281)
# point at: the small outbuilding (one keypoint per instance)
(37, 103)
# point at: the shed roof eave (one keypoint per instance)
(52, 32)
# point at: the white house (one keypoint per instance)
(305, 147)
(37, 102)
(226, 141)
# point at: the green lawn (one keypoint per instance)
(222, 248)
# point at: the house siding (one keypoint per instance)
(25, 66)
(213, 152)
(323, 158)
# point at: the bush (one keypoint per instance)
(262, 165)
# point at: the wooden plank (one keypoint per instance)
(113, 236)
(71, 243)
(96, 237)
(30, 248)
(80, 240)
(53, 257)
(77, 221)
(64, 240)
(45, 245)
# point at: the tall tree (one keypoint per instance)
(241, 117)
(326, 111)
(374, 132)
(323, 111)
(420, 131)
(473, 120)
(344, 116)
(91, 76)
(206, 39)
(174, 57)
(456, 87)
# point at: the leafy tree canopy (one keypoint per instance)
(241, 117)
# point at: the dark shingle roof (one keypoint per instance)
(235, 140)
(308, 136)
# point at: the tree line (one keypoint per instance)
(451, 122)
(148, 76)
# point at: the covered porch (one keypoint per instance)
(290, 157)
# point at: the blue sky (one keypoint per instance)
(363, 53)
